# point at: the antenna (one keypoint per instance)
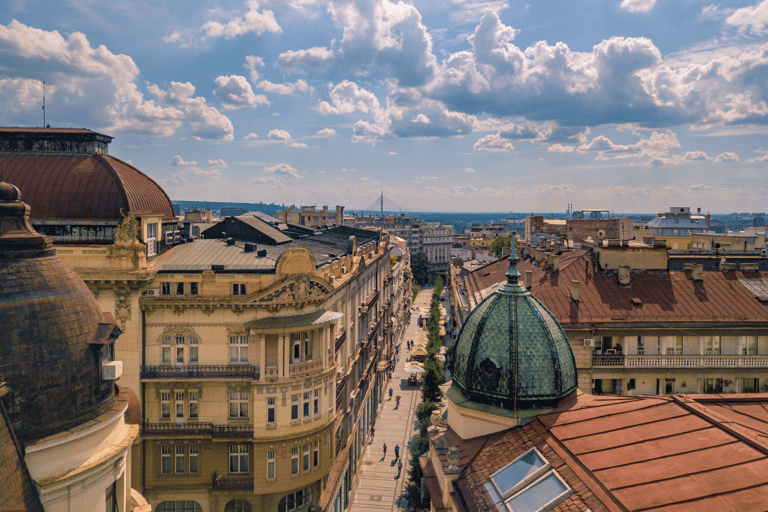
(43, 104)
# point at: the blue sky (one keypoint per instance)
(487, 105)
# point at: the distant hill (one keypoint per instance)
(181, 206)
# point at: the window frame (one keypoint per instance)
(194, 455)
(271, 466)
(305, 466)
(165, 460)
(295, 407)
(241, 401)
(178, 459)
(239, 289)
(238, 458)
(165, 405)
(316, 454)
(193, 405)
(238, 347)
(271, 410)
(295, 461)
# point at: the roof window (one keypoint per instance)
(529, 484)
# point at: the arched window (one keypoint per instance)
(179, 506)
(295, 500)
(238, 506)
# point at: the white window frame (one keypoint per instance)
(178, 405)
(295, 461)
(295, 416)
(240, 400)
(165, 460)
(271, 466)
(272, 408)
(165, 350)
(305, 406)
(194, 458)
(151, 239)
(238, 458)
(305, 466)
(178, 466)
(179, 352)
(316, 454)
(316, 402)
(238, 349)
(165, 405)
(194, 406)
(165, 288)
(194, 353)
(239, 289)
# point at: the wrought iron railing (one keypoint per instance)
(340, 339)
(682, 361)
(233, 483)
(340, 393)
(194, 371)
(204, 429)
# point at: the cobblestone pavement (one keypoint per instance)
(378, 488)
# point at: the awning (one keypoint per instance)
(288, 322)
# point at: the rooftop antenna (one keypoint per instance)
(43, 104)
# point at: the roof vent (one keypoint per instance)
(249, 247)
(217, 267)
(624, 275)
(230, 241)
(763, 298)
(262, 253)
(635, 301)
(575, 288)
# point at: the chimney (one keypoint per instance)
(528, 279)
(624, 278)
(575, 285)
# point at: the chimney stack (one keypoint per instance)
(575, 285)
(624, 275)
(528, 279)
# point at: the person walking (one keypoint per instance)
(373, 431)
(397, 452)
(390, 393)
(399, 468)
(385, 450)
(397, 401)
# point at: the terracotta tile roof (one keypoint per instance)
(720, 297)
(644, 453)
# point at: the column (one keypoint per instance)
(287, 348)
(262, 354)
(324, 334)
(280, 357)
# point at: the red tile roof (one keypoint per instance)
(720, 297)
(643, 453)
(71, 186)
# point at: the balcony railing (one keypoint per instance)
(340, 393)
(681, 361)
(194, 371)
(301, 369)
(197, 429)
(233, 483)
(372, 332)
(340, 339)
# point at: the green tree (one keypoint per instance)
(499, 243)
(414, 289)
(431, 379)
(420, 268)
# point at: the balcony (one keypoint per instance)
(194, 371)
(340, 392)
(681, 361)
(233, 483)
(340, 339)
(271, 373)
(301, 369)
(197, 429)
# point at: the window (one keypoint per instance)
(238, 505)
(165, 460)
(306, 404)
(296, 338)
(238, 349)
(193, 288)
(193, 409)
(179, 288)
(294, 407)
(748, 345)
(110, 498)
(194, 452)
(179, 506)
(238, 289)
(166, 350)
(271, 410)
(151, 239)
(238, 404)
(179, 459)
(712, 345)
(165, 404)
(316, 403)
(316, 455)
(713, 385)
(179, 404)
(295, 500)
(193, 353)
(529, 483)
(305, 459)
(640, 345)
(238, 458)
(179, 349)
(295, 460)
(271, 465)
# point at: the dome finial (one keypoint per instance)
(513, 276)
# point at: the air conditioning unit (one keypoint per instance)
(153, 292)
(111, 370)
(589, 342)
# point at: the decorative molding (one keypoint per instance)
(174, 330)
(233, 387)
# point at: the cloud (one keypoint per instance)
(326, 132)
(727, 157)
(219, 162)
(250, 21)
(761, 158)
(234, 91)
(493, 143)
(637, 5)
(695, 156)
(287, 88)
(175, 179)
(251, 136)
(211, 173)
(377, 33)
(206, 123)
(283, 169)
(179, 162)
(559, 148)
(752, 19)
(281, 135)
(469, 170)
(69, 66)
(656, 146)
(251, 63)
(266, 179)
(346, 97)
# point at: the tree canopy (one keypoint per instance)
(420, 268)
(499, 243)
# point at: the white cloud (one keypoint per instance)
(493, 143)
(695, 156)
(326, 132)
(211, 173)
(727, 157)
(205, 121)
(251, 136)
(346, 97)
(752, 19)
(469, 170)
(559, 148)
(637, 5)
(219, 162)
(761, 158)
(656, 146)
(283, 169)
(266, 179)
(251, 21)
(234, 91)
(175, 179)
(251, 63)
(297, 145)
(179, 162)
(286, 88)
(277, 134)
(69, 66)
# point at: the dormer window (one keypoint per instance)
(528, 483)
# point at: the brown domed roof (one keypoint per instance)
(50, 321)
(67, 186)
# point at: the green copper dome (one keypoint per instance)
(512, 352)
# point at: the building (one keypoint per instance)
(581, 226)
(436, 245)
(407, 228)
(310, 216)
(677, 226)
(635, 330)
(66, 428)
(517, 435)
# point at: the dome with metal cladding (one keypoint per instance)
(512, 352)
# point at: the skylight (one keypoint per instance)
(529, 484)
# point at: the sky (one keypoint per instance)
(441, 105)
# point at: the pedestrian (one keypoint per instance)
(399, 468)
(397, 400)
(373, 431)
(397, 451)
(390, 393)
(385, 450)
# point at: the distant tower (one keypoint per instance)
(382, 203)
